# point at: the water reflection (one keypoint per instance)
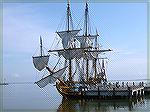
(99, 105)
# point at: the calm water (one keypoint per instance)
(30, 98)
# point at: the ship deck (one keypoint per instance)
(106, 91)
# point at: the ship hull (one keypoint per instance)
(86, 93)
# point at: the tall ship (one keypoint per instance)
(80, 71)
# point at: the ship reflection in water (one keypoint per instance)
(99, 105)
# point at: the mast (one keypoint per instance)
(95, 71)
(86, 33)
(95, 59)
(103, 68)
(70, 72)
(69, 18)
(68, 27)
(68, 14)
(96, 45)
(41, 46)
(86, 19)
(40, 61)
(68, 35)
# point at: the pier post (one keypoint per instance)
(129, 92)
(123, 84)
(98, 91)
(139, 92)
(135, 94)
(133, 84)
(114, 93)
(142, 92)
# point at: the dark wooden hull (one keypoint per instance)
(97, 94)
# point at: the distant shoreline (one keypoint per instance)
(3, 83)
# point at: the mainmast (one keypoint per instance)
(68, 35)
(95, 59)
(103, 68)
(68, 15)
(86, 34)
(68, 27)
(41, 46)
(86, 19)
(69, 18)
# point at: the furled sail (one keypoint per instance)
(67, 37)
(40, 62)
(50, 78)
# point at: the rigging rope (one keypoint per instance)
(61, 24)
(56, 64)
(36, 50)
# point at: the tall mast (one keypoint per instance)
(96, 45)
(95, 59)
(86, 33)
(41, 46)
(69, 18)
(86, 19)
(68, 28)
(103, 67)
(68, 14)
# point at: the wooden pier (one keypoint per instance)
(112, 90)
(132, 91)
(147, 89)
(136, 91)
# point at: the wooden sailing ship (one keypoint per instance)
(83, 72)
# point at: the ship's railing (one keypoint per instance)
(129, 83)
(113, 84)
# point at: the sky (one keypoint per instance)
(122, 27)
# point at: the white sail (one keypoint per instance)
(89, 56)
(67, 37)
(79, 69)
(44, 81)
(91, 37)
(92, 54)
(71, 54)
(40, 62)
(86, 41)
(50, 78)
(78, 54)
